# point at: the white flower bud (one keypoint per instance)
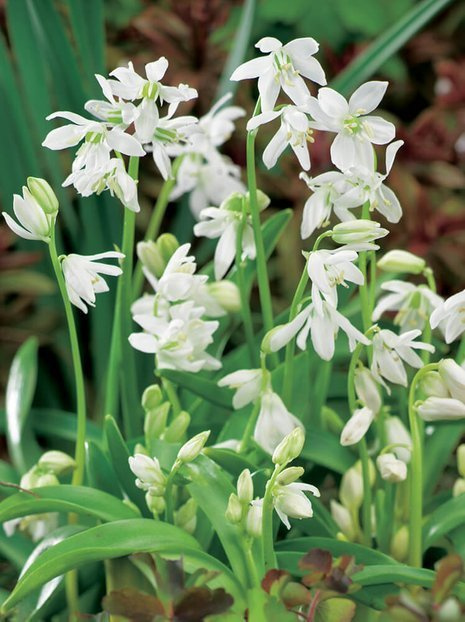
(441, 409)
(454, 378)
(371, 470)
(155, 503)
(56, 461)
(397, 434)
(245, 487)
(47, 479)
(253, 522)
(152, 397)
(35, 223)
(357, 426)
(290, 501)
(367, 389)
(227, 294)
(43, 194)
(450, 610)
(234, 509)
(401, 261)
(391, 468)
(190, 450)
(459, 487)
(343, 519)
(289, 475)
(351, 489)
(177, 428)
(290, 447)
(148, 472)
(186, 516)
(433, 385)
(400, 543)
(461, 459)
(30, 478)
(357, 232)
(155, 422)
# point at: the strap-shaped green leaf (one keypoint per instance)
(447, 517)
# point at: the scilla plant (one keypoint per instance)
(297, 474)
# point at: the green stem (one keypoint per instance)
(269, 556)
(156, 219)
(169, 509)
(245, 442)
(122, 308)
(427, 332)
(416, 473)
(172, 396)
(262, 273)
(78, 475)
(250, 563)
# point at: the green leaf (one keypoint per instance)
(438, 448)
(15, 548)
(446, 518)
(112, 540)
(88, 29)
(208, 389)
(66, 498)
(20, 390)
(100, 472)
(369, 61)
(324, 448)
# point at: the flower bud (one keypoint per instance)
(167, 245)
(441, 409)
(190, 450)
(371, 470)
(47, 479)
(454, 378)
(289, 475)
(357, 231)
(245, 487)
(391, 469)
(291, 502)
(290, 447)
(234, 509)
(401, 261)
(30, 478)
(433, 385)
(367, 389)
(450, 610)
(351, 489)
(399, 544)
(227, 294)
(155, 255)
(140, 449)
(56, 461)
(397, 434)
(148, 472)
(43, 194)
(186, 516)
(263, 200)
(152, 397)
(155, 422)
(461, 459)
(155, 503)
(253, 522)
(177, 428)
(343, 519)
(357, 426)
(459, 487)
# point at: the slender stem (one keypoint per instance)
(112, 393)
(269, 556)
(416, 473)
(169, 510)
(156, 219)
(250, 563)
(172, 396)
(245, 305)
(72, 594)
(427, 332)
(262, 272)
(78, 475)
(245, 442)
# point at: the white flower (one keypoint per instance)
(217, 126)
(35, 223)
(294, 131)
(82, 277)
(248, 384)
(391, 468)
(450, 316)
(413, 303)
(367, 389)
(168, 138)
(113, 177)
(365, 184)
(177, 336)
(328, 269)
(357, 426)
(355, 132)
(113, 110)
(283, 67)
(274, 422)
(179, 281)
(453, 376)
(149, 475)
(441, 409)
(209, 183)
(290, 501)
(397, 434)
(389, 352)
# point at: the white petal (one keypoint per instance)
(391, 152)
(268, 88)
(268, 44)
(332, 103)
(381, 131)
(367, 97)
(225, 251)
(275, 148)
(124, 143)
(251, 69)
(156, 70)
(143, 342)
(343, 153)
(64, 137)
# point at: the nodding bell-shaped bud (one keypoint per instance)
(57, 462)
(227, 295)
(152, 397)
(290, 447)
(399, 544)
(155, 256)
(441, 409)
(149, 475)
(190, 450)
(357, 426)
(391, 468)
(461, 459)
(234, 509)
(367, 389)
(43, 194)
(178, 427)
(453, 376)
(186, 516)
(343, 519)
(351, 489)
(357, 232)
(401, 261)
(253, 522)
(245, 487)
(433, 385)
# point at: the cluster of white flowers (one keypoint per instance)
(445, 393)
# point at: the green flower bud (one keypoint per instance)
(357, 232)
(433, 386)
(289, 475)
(167, 245)
(351, 489)
(234, 510)
(459, 487)
(155, 255)
(245, 487)
(47, 479)
(343, 518)
(56, 461)
(290, 447)
(43, 194)
(186, 516)
(190, 450)
(461, 459)
(263, 200)
(152, 397)
(177, 428)
(450, 611)
(401, 261)
(155, 503)
(155, 422)
(226, 293)
(400, 543)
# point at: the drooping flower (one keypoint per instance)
(367, 389)
(391, 468)
(274, 422)
(35, 223)
(413, 303)
(82, 276)
(357, 426)
(450, 316)
(356, 132)
(401, 261)
(283, 67)
(290, 501)
(441, 409)
(453, 376)
(398, 435)
(248, 384)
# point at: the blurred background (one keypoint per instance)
(51, 49)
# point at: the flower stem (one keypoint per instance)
(262, 273)
(78, 475)
(427, 332)
(156, 219)
(269, 556)
(416, 473)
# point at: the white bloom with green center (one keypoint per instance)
(356, 130)
(274, 422)
(390, 351)
(179, 281)
(283, 68)
(450, 317)
(290, 501)
(82, 276)
(35, 224)
(248, 385)
(294, 131)
(115, 111)
(413, 303)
